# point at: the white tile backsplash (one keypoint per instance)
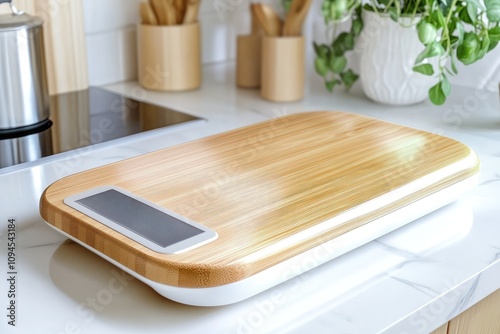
(112, 56)
(104, 16)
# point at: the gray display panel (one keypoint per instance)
(140, 218)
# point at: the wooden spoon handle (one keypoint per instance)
(159, 9)
(170, 12)
(147, 14)
(180, 10)
(295, 17)
(256, 29)
(268, 19)
(191, 15)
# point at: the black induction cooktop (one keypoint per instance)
(97, 115)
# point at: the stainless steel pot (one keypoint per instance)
(23, 83)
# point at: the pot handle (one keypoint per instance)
(12, 7)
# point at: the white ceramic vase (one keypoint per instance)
(387, 55)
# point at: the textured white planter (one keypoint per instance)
(388, 53)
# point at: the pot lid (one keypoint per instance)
(19, 21)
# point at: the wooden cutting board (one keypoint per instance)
(264, 189)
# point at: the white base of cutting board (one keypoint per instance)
(235, 292)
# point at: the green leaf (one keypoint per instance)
(485, 44)
(432, 50)
(331, 84)
(436, 94)
(422, 55)
(494, 34)
(321, 66)
(322, 50)
(337, 64)
(468, 51)
(472, 11)
(316, 48)
(338, 48)
(460, 32)
(348, 41)
(492, 10)
(348, 78)
(464, 16)
(441, 19)
(339, 45)
(492, 45)
(427, 33)
(453, 65)
(338, 9)
(357, 26)
(452, 25)
(424, 69)
(445, 85)
(436, 50)
(393, 14)
(477, 4)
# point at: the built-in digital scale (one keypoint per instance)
(220, 219)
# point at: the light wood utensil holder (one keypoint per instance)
(248, 61)
(283, 68)
(169, 57)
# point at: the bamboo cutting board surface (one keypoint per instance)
(260, 188)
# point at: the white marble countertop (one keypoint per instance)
(409, 281)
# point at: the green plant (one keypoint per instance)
(463, 30)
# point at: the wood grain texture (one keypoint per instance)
(65, 45)
(258, 187)
(481, 318)
(190, 14)
(441, 330)
(283, 68)
(169, 57)
(248, 60)
(295, 17)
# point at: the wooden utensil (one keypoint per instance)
(191, 14)
(159, 9)
(295, 17)
(147, 14)
(180, 10)
(270, 22)
(170, 12)
(254, 21)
